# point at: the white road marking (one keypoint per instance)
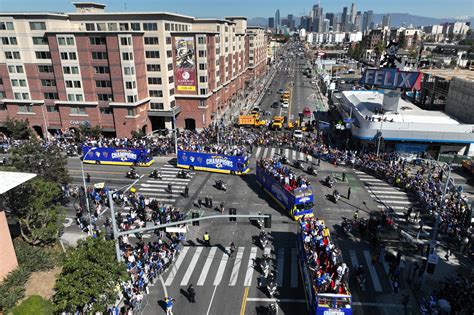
(387, 192)
(389, 206)
(176, 192)
(235, 270)
(212, 298)
(276, 300)
(191, 266)
(294, 268)
(272, 152)
(280, 261)
(302, 156)
(354, 260)
(401, 202)
(267, 251)
(372, 272)
(207, 265)
(293, 154)
(265, 151)
(176, 266)
(250, 268)
(287, 153)
(221, 269)
(257, 154)
(388, 197)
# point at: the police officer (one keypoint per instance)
(207, 239)
(88, 178)
(186, 192)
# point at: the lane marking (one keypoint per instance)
(277, 300)
(212, 298)
(221, 269)
(272, 152)
(287, 153)
(293, 154)
(265, 152)
(176, 266)
(389, 206)
(280, 258)
(257, 154)
(387, 192)
(207, 265)
(244, 301)
(388, 197)
(372, 271)
(294, 269)
(164, 286)
(250, 268)
(191, 266)
(235, 271)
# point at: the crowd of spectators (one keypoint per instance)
(328, 273)
(283, 174)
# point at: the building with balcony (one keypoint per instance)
(124, 71)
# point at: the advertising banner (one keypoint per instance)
(117, 156)
(391, 78)
(211, 161)
(185, 66)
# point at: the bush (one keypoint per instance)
(32, 258)
(34, 305)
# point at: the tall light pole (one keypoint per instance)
(46, 133)
(175, 135)
(85, 187)
(380, 136)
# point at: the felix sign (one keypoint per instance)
(391, 78)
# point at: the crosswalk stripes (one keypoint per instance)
(373, 273)
(191, 266)
(221, 269)
(176, 265)
(291, 155)
(279, 274)
(207, 265)
(294, 268)
(250, 267)
(235, 270)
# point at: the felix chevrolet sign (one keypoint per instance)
(391, 78)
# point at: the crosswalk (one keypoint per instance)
(291, 155)
(212, 266)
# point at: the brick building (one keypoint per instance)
(124, 71)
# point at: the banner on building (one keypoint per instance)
(185, 66)
(391, 78)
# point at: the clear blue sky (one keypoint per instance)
(255, 8)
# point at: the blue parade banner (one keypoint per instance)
(117, 156)
(391, 78)
(213, 162)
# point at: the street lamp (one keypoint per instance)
(85, 188)
(380, 135)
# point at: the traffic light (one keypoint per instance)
(195, 215)
(267, 222)
(232, 211)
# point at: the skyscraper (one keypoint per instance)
(386, 20)
(291, 21)
(344, 19)
(271, 22)
(318, 18)
(277, 19)
(367, 20)
(357, 22)
(353, 13)
(330, 17)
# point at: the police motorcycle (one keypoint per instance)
(221, 185)
(271, 309)
(336, 195)
(260, 221)
(263, 238)
(184, 174)
(132, 173)
(156, 174)
(329, 181)
(312, 171)
(284, 159)
(346, 226)
(298, 165)
(265, 265)
(271, 285)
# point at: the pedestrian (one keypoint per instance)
(210, 202)
(344, 176)
(206, 201)
(88, 178)
(232, 250)
(186, 192)
(448, 253)
(169, 305)
(221, 207)
(207, 239)
(349, 193)
(199, 202)
(319, 161)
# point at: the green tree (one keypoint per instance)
(35, 304)
(86, 131)
(90, 274)
(49, 163)
(138, 134)
(379, 49)
(18, 129)
(35, 207)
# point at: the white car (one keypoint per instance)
(298, 134)
(285, 104)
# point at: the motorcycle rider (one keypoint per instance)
(263, 238)
(336, 195)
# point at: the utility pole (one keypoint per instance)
(175, 131)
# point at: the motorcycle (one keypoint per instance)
(271, 310)
(220, 185)
(265, 265)
(284, 159)
(263, 238)
(260, 222)
(184, 174)
(156, 174)
(346, 226)
(329, 182)
(271, 285)
(192, 294)
(312, 171)
(298, 165)
(132, 174)
(336, 196)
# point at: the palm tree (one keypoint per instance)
(379, 49)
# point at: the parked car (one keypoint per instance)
(285, 104)
(280, 91)
(274, 105)
(307, 112)
(298, 134)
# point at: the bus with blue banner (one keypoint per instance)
(117, 156)
(213, 162)
(298, 202)
(327, 292)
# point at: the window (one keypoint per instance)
(112, 26)
(6, 26)
(73, 84)
(131, 98)
(2, 106)
(152, 54)
(167, 26)
(129, 70)
(156, 93)
(12, 55)
(43, 55)
(79, 98)
(202, 103)
(78, 110)
(218, 28)
(127, 56)
(203, 79)
(1, 81)
(151, 40)
(105, 97)
(168, 40)
(101, 69)
(90, 27)
(17, 96)
(130, 111)
(202, 66)
(106, 110)
(135, 26)
(125, 41)
(64, 56)
(201, 40)
(40, 40)
(99, 55)
(153, 68)
(25, 96)
(101, 27)
(51, 96)
(170, 79)
(14, 82)
(203, 91)
(202, 53)
(170, 66)
(157, 106)
(171, 92)
(103, 84)
(130, 85)
(150, 26)
(25, 109)
(52, 109)
(123, 26)
(61, 41)
(15, 69)
(37, 26)
(71, 70)
(172, 104)
(48, 82)
(45, 69)
(72, 56)
(154, 80)
(9, 41)
(97, 40)
(169, 54)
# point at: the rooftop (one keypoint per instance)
(448, 74)
(11, 180)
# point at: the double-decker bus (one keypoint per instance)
(325, 295)
(297, 201)
(117, 156)
(213, 162)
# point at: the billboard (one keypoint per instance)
(213, 162)
(185, 66)
(117, 156)
(391, 78)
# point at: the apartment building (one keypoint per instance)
(123, 71)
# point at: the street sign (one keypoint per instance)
(391, 78)
(433, 259)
